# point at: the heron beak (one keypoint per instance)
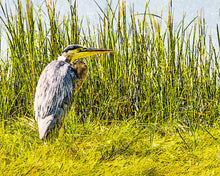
(97, 51)
(85, 52)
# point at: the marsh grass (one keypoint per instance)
(121, 148)
(154, 101)
(151, 75)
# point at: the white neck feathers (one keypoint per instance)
(61, 58)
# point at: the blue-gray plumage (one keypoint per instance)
(54, 94)
(57, 85)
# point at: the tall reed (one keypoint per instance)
(153, 75)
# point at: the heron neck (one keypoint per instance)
(61, 58)
(65, 57)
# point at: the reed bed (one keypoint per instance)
(152, 75)
(155, 79)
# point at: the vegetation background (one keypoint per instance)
(150, 108)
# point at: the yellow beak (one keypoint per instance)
(90, 52)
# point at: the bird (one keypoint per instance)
(57, 86)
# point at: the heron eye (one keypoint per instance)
(82, 49)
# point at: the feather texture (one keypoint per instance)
(54, 95)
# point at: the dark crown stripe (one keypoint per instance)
(72, 47)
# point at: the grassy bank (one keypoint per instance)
(149, 108)
(122, 148)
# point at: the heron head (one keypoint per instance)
(73, 52)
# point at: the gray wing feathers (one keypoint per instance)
(44, 125)
(54, 92)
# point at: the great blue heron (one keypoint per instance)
(57, 85)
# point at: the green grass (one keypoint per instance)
(149, 108)
(122, 148)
